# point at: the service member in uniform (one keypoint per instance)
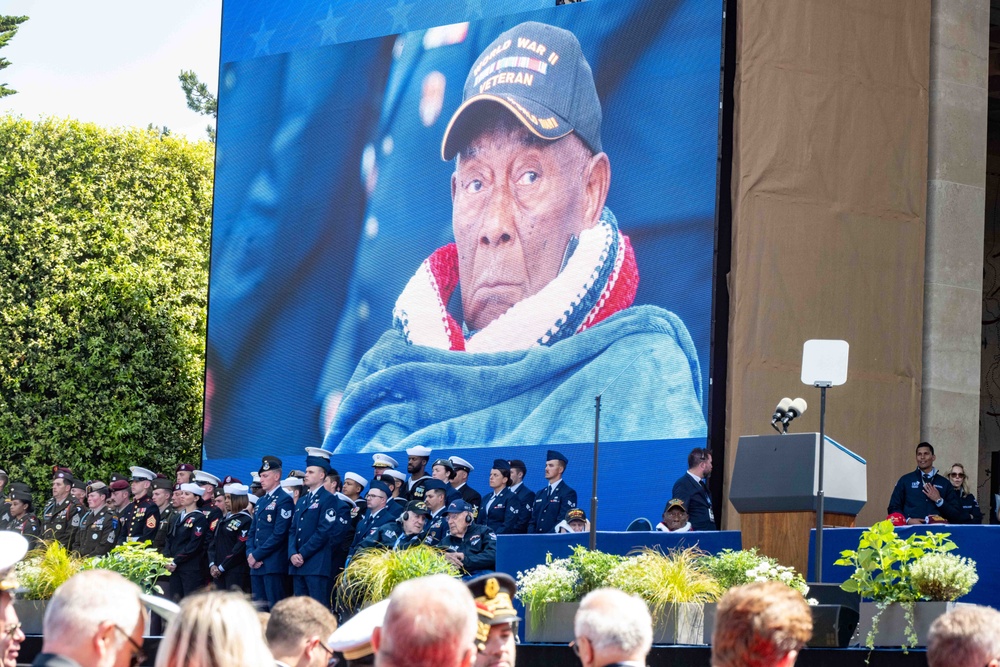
(404, 532)
(99, 525)
(396, 481)
(61, 516)
(496, 634)
(78, 489)
(162, 496)
(317, 530)
(416, 466)
(381, 463)
(552, 502)
(145, 519)
(471, 548)
(267, 544)
(121, 504)
(354, 484)
(187, 544)
(5, 510)
(184, 474)
(293, 487)
(436, 526)
(460, 479)
(375, 517)
(22, 519)
(501, 510)
(209, 483)
(518, 470)
(227, 561)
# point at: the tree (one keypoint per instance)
(199, 98)
(104, 238)
(8, 28)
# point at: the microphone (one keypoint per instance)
(797, 407)
(781, 409)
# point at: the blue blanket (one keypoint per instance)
(405, 395)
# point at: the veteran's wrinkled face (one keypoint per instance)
(517, 202)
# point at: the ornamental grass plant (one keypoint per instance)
(663, 579)
(373, 573)
(44, 569)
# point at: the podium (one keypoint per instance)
(774, 487)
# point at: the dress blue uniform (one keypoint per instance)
(506, 515)
(550, 507)
(229, 552)
(268, 543)
(186, 545)
(698, 500)
(436, 528)
(369, 525)
(316, 527)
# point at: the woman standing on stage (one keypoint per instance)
(228, 560)
(970, 506)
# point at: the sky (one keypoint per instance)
(111, 62)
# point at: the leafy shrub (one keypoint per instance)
(943, 577)
(104, 239)
(136, 562)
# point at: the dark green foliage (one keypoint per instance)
(8, 28)
(104, 239)
(199, 98)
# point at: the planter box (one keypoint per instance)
(892, 622)
(681, 624)
(31, 613)
(555, 626)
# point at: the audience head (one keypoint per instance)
(966, 636)
(430, 622)
(496, 637)
(12, 549)
(215, 629)
(297, 632)
(958, 478)
(96, 619)
(612, 626)
(760, 625)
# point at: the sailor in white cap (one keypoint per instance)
(354, 484)
(187, 544)
(461, 477)
(227, 555)
(292, 485)
(416, 466)
(380, 462)
(144, 521)
(353, 639)
(12, 549)
(209, 483)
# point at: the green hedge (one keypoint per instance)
(104, 243)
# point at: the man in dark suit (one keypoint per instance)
(692, 488)
(552, 502)
(612, 629)
(316, 530)
(376, 516)
(267, 543)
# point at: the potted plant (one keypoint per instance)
(39, 574)
(135, 561)
(551, 592)
(373, 573)
(676, 587)
(904, 583)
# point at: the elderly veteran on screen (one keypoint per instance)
(546, 279)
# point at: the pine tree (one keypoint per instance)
(8, 28)
(199, 98)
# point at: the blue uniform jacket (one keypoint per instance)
(315, 527)
(436, 529)
(551, 507)
(908, 498)
(698, 501)
(369, 524)
(268, 540)
(505, 516)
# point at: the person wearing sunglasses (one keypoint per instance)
(95, 619)
(970, 506)
(297, 632)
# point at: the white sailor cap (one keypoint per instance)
(142, 474)
(252, 499)
(13, 546)
(318, 451)
(354, 638)
(162, 606)
(395, 474)
(236, 489)
(290, 482)
(459, 462)
(255, 476)
(191, 487)
(356, 478)
(383, 461)
(202, 477)
(419, 450)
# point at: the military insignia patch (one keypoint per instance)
(76, 521)
(151, 522)
(212, 526)
(330, 515)
(286, 514)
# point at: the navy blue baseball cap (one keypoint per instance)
(538, 73)
(458, 506)
(379, 486)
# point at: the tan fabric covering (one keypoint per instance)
(829, 209)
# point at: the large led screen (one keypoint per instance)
(451, 224)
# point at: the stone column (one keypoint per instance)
(953, 280)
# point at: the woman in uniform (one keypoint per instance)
(228, 562)
(187, 543)
(501, 511)
(970, 506)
